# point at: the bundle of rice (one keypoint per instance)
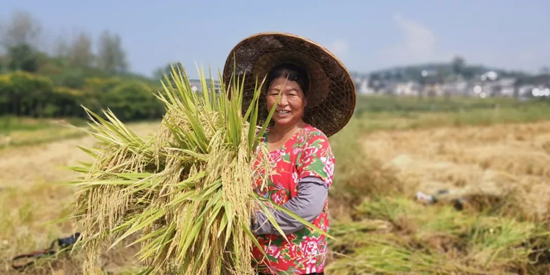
(184, 195)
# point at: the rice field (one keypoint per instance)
(489, 171)
(471, 160)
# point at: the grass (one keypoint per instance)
(398, 235)
(408, 104)
(21, 131)
(357, 175)
(402, 113)
(10, 124)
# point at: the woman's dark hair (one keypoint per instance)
(292, 72)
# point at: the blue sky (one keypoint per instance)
(366, 35)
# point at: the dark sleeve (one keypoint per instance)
(308, 204)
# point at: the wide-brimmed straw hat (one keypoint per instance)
(331, 96)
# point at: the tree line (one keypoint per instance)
(55, 82)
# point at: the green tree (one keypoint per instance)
(3, 65)
(458, 65)
(80, 52)
(66, 102)
(26, 94)
(111, 56)
(160, 73)
(22, 30)
(73, 79)
(61, 47)
(133, 101)
(4, 96)
(22, 57)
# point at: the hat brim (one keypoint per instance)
(331, 98)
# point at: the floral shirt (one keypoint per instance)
(306, 154)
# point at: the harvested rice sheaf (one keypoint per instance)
(183, 195)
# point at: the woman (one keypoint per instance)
(316, 99)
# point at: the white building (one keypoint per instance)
(409, 88)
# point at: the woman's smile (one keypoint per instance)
(283, 113)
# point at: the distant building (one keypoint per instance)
(507, 86)
(362, 85)
(409, 88)
(433, 83)
(525, 91)
(455, 88)
(196, 85)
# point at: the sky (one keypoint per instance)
(365, 35)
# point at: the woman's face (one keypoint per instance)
(290, 108)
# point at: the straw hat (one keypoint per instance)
(331, 97)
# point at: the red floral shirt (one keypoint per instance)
(306, 154)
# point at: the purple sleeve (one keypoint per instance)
(308, 204)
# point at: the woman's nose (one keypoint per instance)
(283, 100)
